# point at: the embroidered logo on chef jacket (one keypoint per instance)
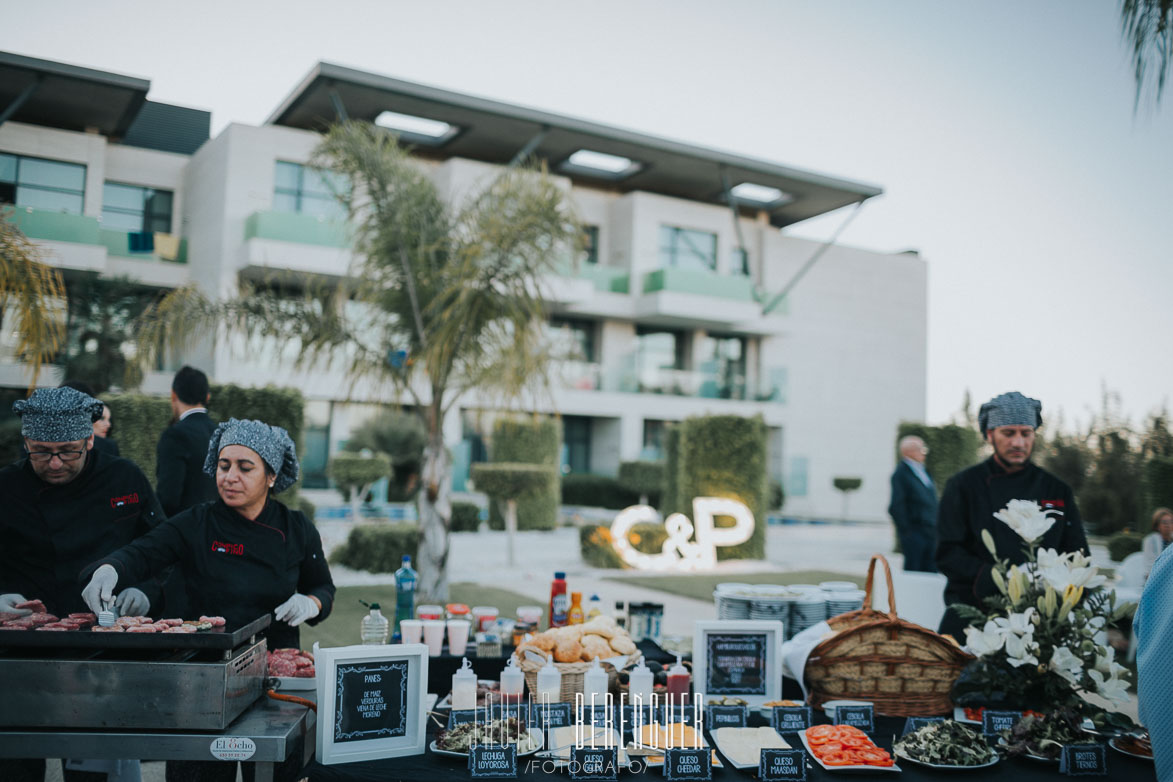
(1054, 505)
(228, 548)
(124, 500)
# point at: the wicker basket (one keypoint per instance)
(904, 669)
(573, 675)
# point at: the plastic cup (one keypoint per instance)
(429, 612)
(412, 630)
(458, 635)
(531, 614)
(434, 636)
(484, 617)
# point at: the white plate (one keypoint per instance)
(926, 764)
(854, 769)
(959, 716)
(287, 683)
(725, 754)
(454, 754)
(830, 706)
(1130, 753)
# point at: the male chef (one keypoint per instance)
(65, 505)
(972, 497)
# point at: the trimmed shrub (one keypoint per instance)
(645, 479)
(402, 437)
(504, 481)
(597, 551)
(284, 407)
(354, 472)
(137, 421)
(1122, 544)
(952, 448)
(596, 491)
(466, 517)
(725, 456)
(1158, 482)
(777, 496)
(670, 503)
(846, 484)
(528, 441)
(305, 506)
(378, 548)
(648, 538)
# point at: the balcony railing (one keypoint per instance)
(56, 226)
(700, 283)
(298, 228)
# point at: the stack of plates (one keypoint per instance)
(840, 602)
(733, 600)
(771, 602)
(838, 586)
(808, 609)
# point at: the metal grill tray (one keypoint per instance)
(216, 638)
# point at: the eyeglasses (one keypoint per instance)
(47, 456)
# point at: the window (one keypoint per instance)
(660, 348)
(573, 339)
(683, 248)
(134, 208)
(590, 243)
(653, 450)
(740, 262)
(304, 190)
(576, 444)
(723, 367)
(42, 184)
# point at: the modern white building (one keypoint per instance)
(675, 308)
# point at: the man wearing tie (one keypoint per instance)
(914, 506)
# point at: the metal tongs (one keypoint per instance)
(107, 615)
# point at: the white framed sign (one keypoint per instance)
(742, 658)
(371, 701)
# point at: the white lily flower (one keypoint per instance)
(1018, 651)
(1019, 624)
(1115, 690)
(1067, 570)
(1106, 663)
(1066, 664)
(985, 641)
(1026, 518)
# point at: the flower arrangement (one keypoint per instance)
(1042, 642)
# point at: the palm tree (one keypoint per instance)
(1147, 26)
(35, 293)
(441, 299)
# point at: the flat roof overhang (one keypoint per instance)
(496, 132)
(57, 95)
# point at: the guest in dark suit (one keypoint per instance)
(179, 457)
(914, 507)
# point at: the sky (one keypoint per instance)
(1002, 132)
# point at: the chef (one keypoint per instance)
(242, 555)
(66, 504)
(1008, 423)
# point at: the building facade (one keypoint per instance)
(672, 309)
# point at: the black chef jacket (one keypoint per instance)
(48, 532)
(233, 567)
(967, 507)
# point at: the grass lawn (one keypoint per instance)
(342, 626)
(700, 587)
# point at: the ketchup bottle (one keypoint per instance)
(559, 602)
(678, 684)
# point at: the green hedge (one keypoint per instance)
(670, 501)
(725, 456)
(1122, 544)
(137, 420)
(378, 548)
(466, 517)
(402, 437)
(645, 479)
(528, 441)
(596, 491)
(1158, 483)
(952, 448)
(846, 484)
(354, 471)
(504, 481)
(597, 551)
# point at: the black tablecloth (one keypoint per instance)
(426, 767)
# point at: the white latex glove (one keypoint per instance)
(132, 602)
(8, 604)
(100, 591)
(296, 610)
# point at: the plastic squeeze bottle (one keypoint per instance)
(464, 687)
(678, 681)
(574, 616)
(594, 685)
(559, 603)
(405, 584)
(374, 627)
(512, 682)
(549, 683)
(640, 685)
(594, 607)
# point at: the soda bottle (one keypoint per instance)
(559, 601)
(405, 583)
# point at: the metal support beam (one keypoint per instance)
(736, 214)
(530, 146)
(339, 109)
(20, 99)
(774, 302)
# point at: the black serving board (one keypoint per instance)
(216, 638)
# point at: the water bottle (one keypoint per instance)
(405, 583)
(375, 627)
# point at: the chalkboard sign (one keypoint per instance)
(736, 664)
(519, 711)
(688, 765)
(492, 761)
(598, 716)
(857, 716)
(790, 719)
(646, 716)
(1084, 760)
(994, 722)
(672, 713)
(727, 717)
(458, 716)
(777, 765)
(594, 764)
(370, 701)
(913, 724)
(550, 715)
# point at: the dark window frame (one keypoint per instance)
(148, 215)
(15, 183)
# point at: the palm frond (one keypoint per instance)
(1147, 27)
(35, 291)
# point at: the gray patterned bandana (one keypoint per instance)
(57, 415)
(272, 444)
(1011, 409)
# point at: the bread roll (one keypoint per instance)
(568, 651)
(543, 641)
(595, 646)
(623, 644)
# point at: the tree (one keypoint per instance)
(100, 331)
(400, 435)
(1147, 27)
(441, 299)
(847, 486)
(34, 292)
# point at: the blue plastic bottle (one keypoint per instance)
(405, 584)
